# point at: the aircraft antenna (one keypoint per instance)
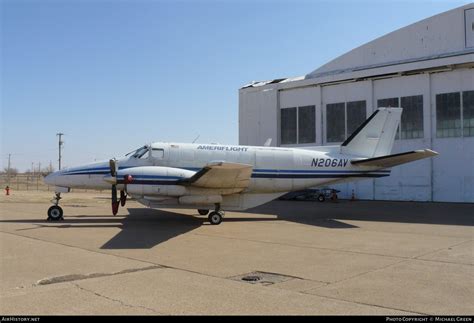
(196, 139)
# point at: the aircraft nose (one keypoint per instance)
(51, 178)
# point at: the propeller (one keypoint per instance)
(127, 179)
(113, 173)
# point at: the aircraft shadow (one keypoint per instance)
(316, 213)
(145, 228)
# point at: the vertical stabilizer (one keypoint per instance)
(375, 136)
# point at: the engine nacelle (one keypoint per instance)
(155, 180)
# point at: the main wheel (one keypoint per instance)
(215, 218)
(321, 198)
(203, 212)
(55, 213)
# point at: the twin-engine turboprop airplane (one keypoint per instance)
(223, 177)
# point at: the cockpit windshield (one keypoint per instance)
(139, 153)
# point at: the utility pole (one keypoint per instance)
(8, 169)
(60, 134)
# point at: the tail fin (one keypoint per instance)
(375, 136)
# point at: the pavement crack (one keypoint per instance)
(75, 277)
(115, 300)
(419, 257)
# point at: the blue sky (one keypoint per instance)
(114, 75)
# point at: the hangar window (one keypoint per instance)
(288, 125)
(356, 115)
(388, 103)
(448, 115)
(468, 113)
(412, 117)
(411, 123)
(306, 124)
(335, 122)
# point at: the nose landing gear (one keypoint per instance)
(55, 212)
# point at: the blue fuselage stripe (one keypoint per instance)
(257, 173)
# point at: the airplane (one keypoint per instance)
(230, 177)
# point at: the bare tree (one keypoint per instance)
(10, 171)
(47, 170)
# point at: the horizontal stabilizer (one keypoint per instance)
(396, 159)
(221, 175)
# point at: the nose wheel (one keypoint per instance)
(55, 212)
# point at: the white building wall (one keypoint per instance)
(453, 178)
(258, 118)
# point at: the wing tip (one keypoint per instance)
(428, 152)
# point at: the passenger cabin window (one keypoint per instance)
(158, 153)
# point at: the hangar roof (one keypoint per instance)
(446, 39)
(442, 35)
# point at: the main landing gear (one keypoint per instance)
(215, 217)
(55, 212)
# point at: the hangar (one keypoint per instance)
(427, 68)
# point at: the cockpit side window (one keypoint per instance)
(158, 153)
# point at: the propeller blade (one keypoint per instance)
(123, 198)
(115, 203)
(113, 167)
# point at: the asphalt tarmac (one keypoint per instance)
(361, 257)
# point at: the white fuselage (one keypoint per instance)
(275, 172)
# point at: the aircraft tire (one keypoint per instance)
(55, 213)
(215, 218)
(203, 212)
(321, 198)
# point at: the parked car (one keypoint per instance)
(312, 194)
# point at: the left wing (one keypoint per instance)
(221, 175)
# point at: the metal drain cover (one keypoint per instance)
(262, 278)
